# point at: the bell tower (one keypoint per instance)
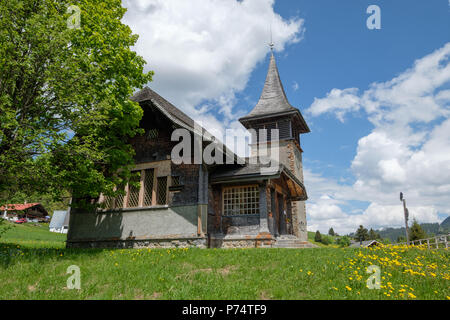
(273, 111)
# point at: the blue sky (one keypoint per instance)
(210, 59)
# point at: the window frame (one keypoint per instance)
(238, 187)
(141, 197)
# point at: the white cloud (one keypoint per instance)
(408, 149)
(339, 101)
(323, 215)
(205, 50)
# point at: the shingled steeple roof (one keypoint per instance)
(273, 100)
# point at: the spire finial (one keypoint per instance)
(271, 45)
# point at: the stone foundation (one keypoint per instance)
(261, 240)
(148, 243)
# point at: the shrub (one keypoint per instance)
(318, 236)
(343, 241)
(327, 240)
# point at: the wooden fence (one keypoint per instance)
(438, 242)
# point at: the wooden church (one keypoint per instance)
(206, 205)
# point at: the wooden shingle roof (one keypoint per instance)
(273, 98)
(273, 101)
(177, 116)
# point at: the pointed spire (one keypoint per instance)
(273, 98)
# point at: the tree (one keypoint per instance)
(317, 236)
(362, 234)
(331, 232)
(373, 235)
(65, 109)
(343, 241)
(416, 232)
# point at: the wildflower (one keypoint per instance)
(348, 288)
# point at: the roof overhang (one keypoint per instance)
(296, 187)
(195, 128)
(294, 114)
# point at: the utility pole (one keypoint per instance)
(405, 210)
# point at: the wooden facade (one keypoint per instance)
(215, 205)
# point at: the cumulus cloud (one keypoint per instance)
(203, 51)
(408, 149)
(339, 101)
(376, 216)
(416, 95)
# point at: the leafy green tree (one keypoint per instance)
(362, 234)
(317, 236)
(416, 232)
(65, 109)
(47, 200)
(331, 232)
(343, 241)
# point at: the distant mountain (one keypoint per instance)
(445, 225)
(431, 229)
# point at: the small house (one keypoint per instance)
(364, 244)
(31, 211)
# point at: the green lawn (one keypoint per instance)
(33, 235)
(29, 270)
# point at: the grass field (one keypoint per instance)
(33, 235)
(33, 265)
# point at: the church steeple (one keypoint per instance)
(273, 111)
(273, 102)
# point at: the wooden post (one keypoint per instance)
(446, 243)
(437, 242)
(405, 210)
(428, 243)
(199, 221)
(125, 197)
(141, 189)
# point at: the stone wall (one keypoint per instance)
(149, 243)
(241, 225)
(292, 159)
(137, 223)
(260, 240)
